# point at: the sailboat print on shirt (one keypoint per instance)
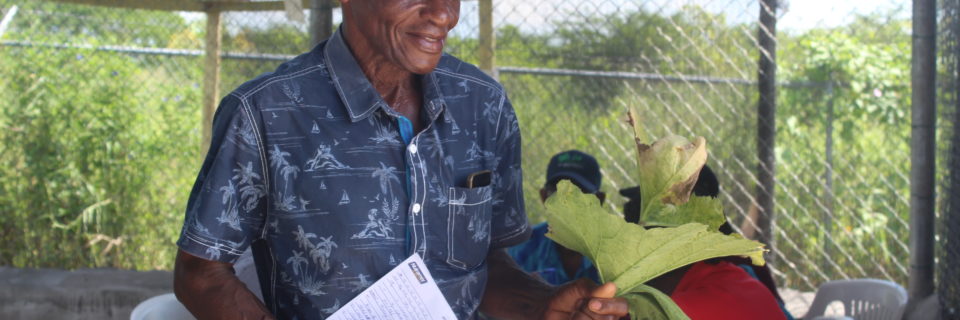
(345, 199)
(316, 127)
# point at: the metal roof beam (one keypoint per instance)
(191, 5)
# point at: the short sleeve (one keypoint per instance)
(509, 224)
(226, 209)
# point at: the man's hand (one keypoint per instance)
(210, 290)
(514, 294)
(582, 299)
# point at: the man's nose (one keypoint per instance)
(443, 13)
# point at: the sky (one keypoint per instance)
(796, 15)
(536, 15)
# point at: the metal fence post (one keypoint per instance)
(321, 21)
(766, 121)
(211, 73)
(828, 194)
(488, 43)
(923, 148)
(948, 279)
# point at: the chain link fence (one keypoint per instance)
(948, 279)
(102, 138)
(128, 82)
(690, 68)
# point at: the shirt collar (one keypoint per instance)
(357, 93)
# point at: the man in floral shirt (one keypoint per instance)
(350, 158)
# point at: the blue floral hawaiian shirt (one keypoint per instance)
(309, 167)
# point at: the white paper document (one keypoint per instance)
(407, 292)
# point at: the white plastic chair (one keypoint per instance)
(863, 299)
(162, 307)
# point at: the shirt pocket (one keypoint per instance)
(468, 226)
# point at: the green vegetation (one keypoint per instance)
(95, 165)
(861, 219)
(98, 150)
(630, 255)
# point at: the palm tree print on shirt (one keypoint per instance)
(229, 214)
(385, 135)
(292, 90)
(386, 174)
(319, 253)
(250, 194)
(467, 302)
(310, 271)
(195, 224)
(278, 160)
(441, 197)
(246, 133)
(488, 111)
(307, 282)
(330, 310)
(478, 227)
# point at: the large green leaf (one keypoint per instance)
(705, 210)
(647, 254)
(668, 170)
(569, 211)
(628, 254)
(648, 303)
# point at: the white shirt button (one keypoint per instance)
(412, 148)
(416, 208)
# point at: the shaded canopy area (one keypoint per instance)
(198, 5)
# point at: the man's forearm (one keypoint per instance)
(210, 290)
(511, 292)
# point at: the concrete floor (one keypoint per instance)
(112, 294)
(797, 301)
(79, 294)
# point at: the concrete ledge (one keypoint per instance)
(78, 294)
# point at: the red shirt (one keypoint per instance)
(724, 291)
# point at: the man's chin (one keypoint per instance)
(424, 66)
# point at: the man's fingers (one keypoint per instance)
(607, 290)
(602, 301)
(615, 307)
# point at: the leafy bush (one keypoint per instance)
(97, 150)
